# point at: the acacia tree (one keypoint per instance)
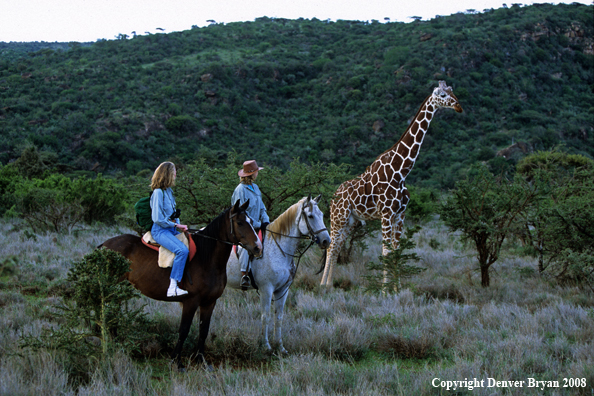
(562, 184)
(486, 208)
(569, 230)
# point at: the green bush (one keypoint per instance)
(387, 275)
(58, 203)
(182, 124)
(9, 179)
(98, 320)
(423, 203)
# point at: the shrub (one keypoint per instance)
(97, 319)
(58, 203)
(392, 268)
(423, 204)
(181, 124)
(9, 179)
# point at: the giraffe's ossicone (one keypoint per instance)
(379, 192)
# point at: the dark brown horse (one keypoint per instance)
(205, 276)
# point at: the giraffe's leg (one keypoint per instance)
(387, 235)
(404, 199)
(392, 226)
(398, 226)
(340, 230)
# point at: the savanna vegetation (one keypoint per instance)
(494, 278)
(442, 324)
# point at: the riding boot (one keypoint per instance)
(174, 290)
(245, 280)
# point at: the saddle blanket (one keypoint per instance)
(166, 256)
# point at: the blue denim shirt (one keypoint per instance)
(162, 207)
(256, 210)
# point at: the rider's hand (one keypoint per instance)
(182, 227)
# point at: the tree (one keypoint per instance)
(553, 174)
(570, 230)
(486, 209)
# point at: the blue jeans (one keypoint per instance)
(166, 238)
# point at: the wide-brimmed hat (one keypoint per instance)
(249, 167)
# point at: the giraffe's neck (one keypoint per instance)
(403, 155)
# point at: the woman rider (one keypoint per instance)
(247, 189)
(166, 224)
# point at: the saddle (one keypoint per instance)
(166, 256)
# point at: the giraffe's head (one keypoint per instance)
(443, 96)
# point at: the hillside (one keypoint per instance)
(340, 92)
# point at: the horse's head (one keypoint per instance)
(242, 231)
(311, 222)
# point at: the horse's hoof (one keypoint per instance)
(283, 351)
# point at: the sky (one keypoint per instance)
(92, 20)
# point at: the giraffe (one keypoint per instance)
(379, 192)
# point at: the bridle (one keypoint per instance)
(312, 236)
(231, 233)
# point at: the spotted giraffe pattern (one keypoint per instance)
(379, 192)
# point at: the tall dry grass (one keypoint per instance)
(341, 341)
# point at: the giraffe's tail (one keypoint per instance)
(323, 262)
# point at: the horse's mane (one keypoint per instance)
(283, 223)
(206, 246)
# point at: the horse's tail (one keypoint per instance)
(323, 261)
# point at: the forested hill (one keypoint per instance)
(340, 92)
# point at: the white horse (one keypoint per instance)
(273, 274)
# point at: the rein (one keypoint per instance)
(313, 236)
(231, 216)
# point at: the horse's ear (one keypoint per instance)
(317, 199)
(309, 197)
(245, 205)
(235, 207)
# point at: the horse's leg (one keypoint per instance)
(279, 307)
(265, 300)
(189, 308)
(205, 315)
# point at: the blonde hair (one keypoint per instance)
(163, 177)
(247, 179)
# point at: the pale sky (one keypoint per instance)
(90, 20)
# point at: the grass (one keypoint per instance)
(340, 341)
